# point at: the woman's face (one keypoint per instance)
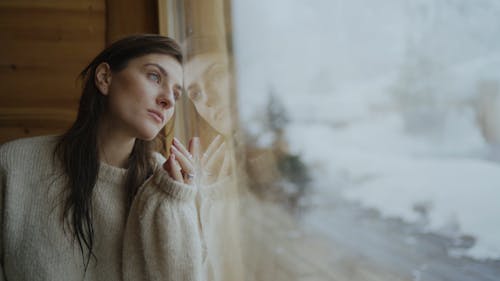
(207, 83)
(142, 96)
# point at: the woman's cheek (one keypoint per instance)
(168, 116)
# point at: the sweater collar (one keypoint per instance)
(111, 174)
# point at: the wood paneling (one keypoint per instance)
(45, 44)
(126, 17)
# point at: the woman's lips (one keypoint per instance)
(156, 115)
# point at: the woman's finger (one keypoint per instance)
(214, 145)
(194, 148)
(186, 164)
(177, 144)
(173, 168)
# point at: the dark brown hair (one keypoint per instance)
(77, 149)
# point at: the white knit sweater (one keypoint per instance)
(167, 234)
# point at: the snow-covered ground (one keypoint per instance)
(447, 186)
(383, 103)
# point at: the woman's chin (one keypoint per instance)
(147, 138)
(148, 135)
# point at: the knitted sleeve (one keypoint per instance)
(162, 236)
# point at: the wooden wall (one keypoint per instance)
(44, 44)
(125, 17)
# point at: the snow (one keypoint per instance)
(382, 103)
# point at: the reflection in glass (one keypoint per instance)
(208, 112)
(207, 83)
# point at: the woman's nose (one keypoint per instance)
(166, 99)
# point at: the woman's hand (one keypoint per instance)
(215, 164)
(180, 164)
(184, 165)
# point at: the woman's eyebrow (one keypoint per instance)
(162, 70)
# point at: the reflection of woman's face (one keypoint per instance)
(142, 96)
(207, 80)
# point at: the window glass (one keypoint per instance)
(361, 138)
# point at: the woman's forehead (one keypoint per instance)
(165, 63)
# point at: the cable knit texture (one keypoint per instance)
(164, 236)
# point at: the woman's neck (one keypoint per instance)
(114, 146)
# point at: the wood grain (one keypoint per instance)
(45, 44)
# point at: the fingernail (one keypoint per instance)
(173, 156)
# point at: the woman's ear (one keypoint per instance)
(103, 78)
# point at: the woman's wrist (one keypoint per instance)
(172, 187)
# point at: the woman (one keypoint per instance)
(97, 203)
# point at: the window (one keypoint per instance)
(365, 135)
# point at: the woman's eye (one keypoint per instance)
(154, 77)
(177, 95)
